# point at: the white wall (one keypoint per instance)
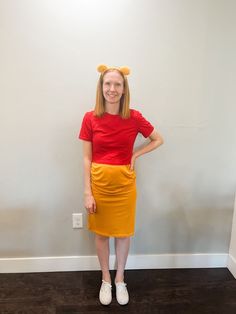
(182, 57)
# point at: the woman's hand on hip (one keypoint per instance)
(90, 204)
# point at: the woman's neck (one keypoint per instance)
(112, 108)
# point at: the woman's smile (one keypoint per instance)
(112, 95)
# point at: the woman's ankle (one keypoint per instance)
(106, 277)
(119, 278)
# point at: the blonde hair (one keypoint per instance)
(99, 109)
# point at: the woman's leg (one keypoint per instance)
(122, 249)
(103, 252)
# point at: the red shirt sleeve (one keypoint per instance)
(144, 126)
(86, 132)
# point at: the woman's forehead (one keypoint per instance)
(114, 75)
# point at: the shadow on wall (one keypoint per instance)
(174, 224)
(21, 232)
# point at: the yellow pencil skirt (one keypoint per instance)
(114, 191)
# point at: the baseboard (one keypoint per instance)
(232, 265)
(81, 263)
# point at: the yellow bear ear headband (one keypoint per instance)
(102, 68)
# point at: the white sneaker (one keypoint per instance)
(122, 295)
(105, 296)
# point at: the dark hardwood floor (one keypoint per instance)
(163, 291)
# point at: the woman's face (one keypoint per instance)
(113, 87)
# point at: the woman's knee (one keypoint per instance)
(123, 239)
(102, 238)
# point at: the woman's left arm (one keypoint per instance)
(155, 141)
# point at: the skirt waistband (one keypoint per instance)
(112, 178)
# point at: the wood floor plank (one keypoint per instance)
(161, 291)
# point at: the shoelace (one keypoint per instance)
(106, 286)
(121, 286)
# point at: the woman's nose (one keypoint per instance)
(112, 87)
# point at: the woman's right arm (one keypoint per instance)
(89, 201)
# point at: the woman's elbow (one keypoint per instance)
(159, 140)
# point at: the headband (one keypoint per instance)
(102, 68)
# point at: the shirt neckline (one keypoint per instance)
(111, 114)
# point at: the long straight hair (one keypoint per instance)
(124, 110)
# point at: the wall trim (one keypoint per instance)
(82, 263)
(232, 265)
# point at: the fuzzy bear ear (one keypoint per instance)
(125, 70)
(102, 68)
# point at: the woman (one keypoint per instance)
(108, 133)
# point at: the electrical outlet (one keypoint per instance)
(77, 220)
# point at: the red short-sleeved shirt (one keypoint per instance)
(113, 137)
